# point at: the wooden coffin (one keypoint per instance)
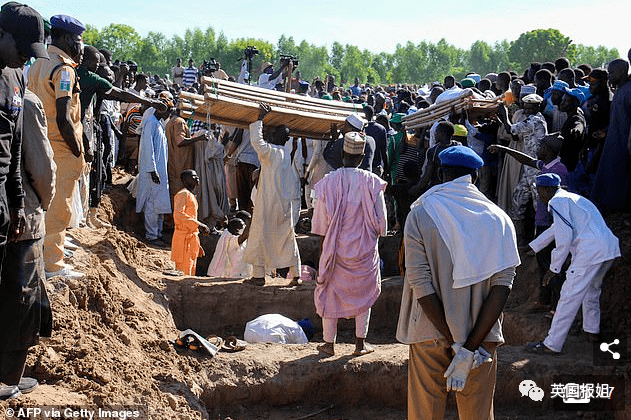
(238, 105)
(427, 116)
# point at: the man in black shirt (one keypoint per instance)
(21, 37)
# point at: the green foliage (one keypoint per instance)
(410, 63)
(595, 57)
(540, 45)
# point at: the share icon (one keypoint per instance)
(604, 347)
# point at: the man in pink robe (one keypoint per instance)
(350, 215)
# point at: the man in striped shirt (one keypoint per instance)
(190, 74)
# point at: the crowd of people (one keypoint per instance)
(537, 172)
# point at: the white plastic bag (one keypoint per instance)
(274, 328)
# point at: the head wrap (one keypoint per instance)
(577, 93)
(460, 156)
(354, 143)
(460, 130)
(548, 180)
(560, 85)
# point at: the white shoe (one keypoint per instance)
(67, 272)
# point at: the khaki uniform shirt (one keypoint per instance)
(50, 87)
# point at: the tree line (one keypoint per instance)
(410, 63)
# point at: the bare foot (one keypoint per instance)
(327, 348)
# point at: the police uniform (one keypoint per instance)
(51, 80)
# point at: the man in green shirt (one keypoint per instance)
(94, 85)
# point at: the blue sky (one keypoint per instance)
(372, 25)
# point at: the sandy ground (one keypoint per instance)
(113, 332)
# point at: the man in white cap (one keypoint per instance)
(579, 229)
(350, 215)
(272, 241)
(454, 293)
(270, 78)
(333, 151)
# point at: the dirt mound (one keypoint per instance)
(112, 332)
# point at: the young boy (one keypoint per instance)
(228, 257)
(185, 247)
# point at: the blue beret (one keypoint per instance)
(560, 85)
(577, 93)
(460, 156)
(67, 23)
(548, 180)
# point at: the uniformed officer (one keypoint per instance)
(56, 84)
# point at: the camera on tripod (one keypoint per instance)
(285, 59)
(209, 67)
(250, 51)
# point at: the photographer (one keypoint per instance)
(270, 78)
(219, 73)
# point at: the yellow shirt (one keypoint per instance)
(63, 83)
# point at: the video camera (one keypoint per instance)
(286, 59)
(250, 51)
(209, 67)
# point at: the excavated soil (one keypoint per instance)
(113, 331)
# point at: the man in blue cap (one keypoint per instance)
(453, 293)
(21, 37)
(579, 229)
(553, 96)
(56, 84)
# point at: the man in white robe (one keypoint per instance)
(272, 241)
(152, 184)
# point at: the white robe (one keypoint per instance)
(212, 193)
(152, 156)
(272, 242)
(228, 258)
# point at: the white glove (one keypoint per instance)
(459, 369)
(480, 357)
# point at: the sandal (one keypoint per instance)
(254, 281)
(233, 344)
(539, 348)
(215, 340)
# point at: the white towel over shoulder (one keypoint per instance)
(480, 236)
